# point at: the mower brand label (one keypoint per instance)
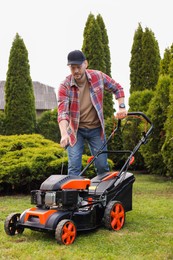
(92, 187)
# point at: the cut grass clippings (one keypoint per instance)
(147, 233)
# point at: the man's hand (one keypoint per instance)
(64, 141)
(121, 113)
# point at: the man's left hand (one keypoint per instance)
(121, 113)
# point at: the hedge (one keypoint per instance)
(27, 160)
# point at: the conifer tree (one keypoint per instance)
(164, 63)
(105, 41)
(108, 99)
(19, 96)
(136, 61)
(92, 44)
(150, 61)
(145, 61)
(144, 74)
(94, 48)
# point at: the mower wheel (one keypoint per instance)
(65, 232)
(114, 216)
(10, 225)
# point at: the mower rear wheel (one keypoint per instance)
(114, 216)
(65, 232)
(10, 225)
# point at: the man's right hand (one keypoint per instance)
(64, 141)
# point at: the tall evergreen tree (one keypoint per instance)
(151, 60)
(94, 49)
(92, 44)
(108, 99)
(144, 74)
(145, 61)
(136, 61)
(19, 96)
(164, 63)
(105, 41)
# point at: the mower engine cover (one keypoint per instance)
(59, 190)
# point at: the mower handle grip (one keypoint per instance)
(140, 114)
(146, 119)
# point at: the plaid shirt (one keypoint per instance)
(68, 99)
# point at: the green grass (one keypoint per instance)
(147, 234)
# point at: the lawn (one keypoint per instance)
(147, 234)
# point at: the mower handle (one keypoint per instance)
(146, 119)
(142, 141)
(139, 114)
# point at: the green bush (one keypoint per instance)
(27, 160)
(158, 113)
(47, 125)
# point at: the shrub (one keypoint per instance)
(27, 160)
(47, 126)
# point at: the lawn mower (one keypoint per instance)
(66, 204)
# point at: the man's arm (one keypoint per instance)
(122, 112)
(63, 125)
(112, 86)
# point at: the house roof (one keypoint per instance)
(45, 96)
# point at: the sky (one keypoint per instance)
(51, 29)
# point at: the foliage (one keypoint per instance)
(115, 143)
(165, 62)
(168, 144)
(48, 127)
(158, 109)
(92, 44)
(19, 95)
(105, 42)
(139, 100)
(136, 80)
(108, 99)
(171, 68)
(27, 160)
(147, 233)
(144, 74)
(95, 46)
(132, 134)
(2, 123)
(150, 70)
(145, 61)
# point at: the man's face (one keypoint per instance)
(78, 71)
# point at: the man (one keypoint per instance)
(80, 111)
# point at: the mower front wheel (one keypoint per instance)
(10, 225)
(65, 232)
(114, 216)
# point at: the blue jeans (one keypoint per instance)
(93, 138)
